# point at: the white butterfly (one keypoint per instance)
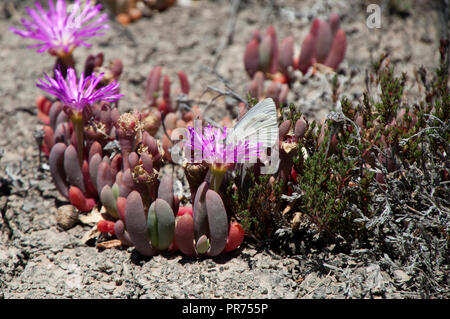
(260, 123)
(258, 126)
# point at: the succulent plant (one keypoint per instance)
(160, 96)
(325, 44)
(127, 185)
(105, 127)
(115, 158)
(259, 88)
(136, 224)
(160, 224)
(210, 221)
(184, 234)
(209, 234)
(164, 109)
(329, 171)
(235, 237)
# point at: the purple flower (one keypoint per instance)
(60, 29)
(79, 95)
(215, 148)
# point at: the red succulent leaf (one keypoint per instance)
(236, 236)
(307, 53)
(184, 83)
(185, 210)
(106, 226)
(251, 57)
(77, 199)
(337, 51)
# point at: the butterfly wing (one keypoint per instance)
(260, 123)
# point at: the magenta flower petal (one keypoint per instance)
(215, 148)
(62, 28)
(78, 95)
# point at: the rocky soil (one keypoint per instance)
(38, 260)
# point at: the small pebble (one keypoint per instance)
(66, 216)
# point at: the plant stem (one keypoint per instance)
(77, 121)
(218, 172)
(64, 62)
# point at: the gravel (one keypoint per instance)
(38, 260)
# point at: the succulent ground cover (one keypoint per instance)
(370, 177)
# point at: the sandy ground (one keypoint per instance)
(37, 260)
